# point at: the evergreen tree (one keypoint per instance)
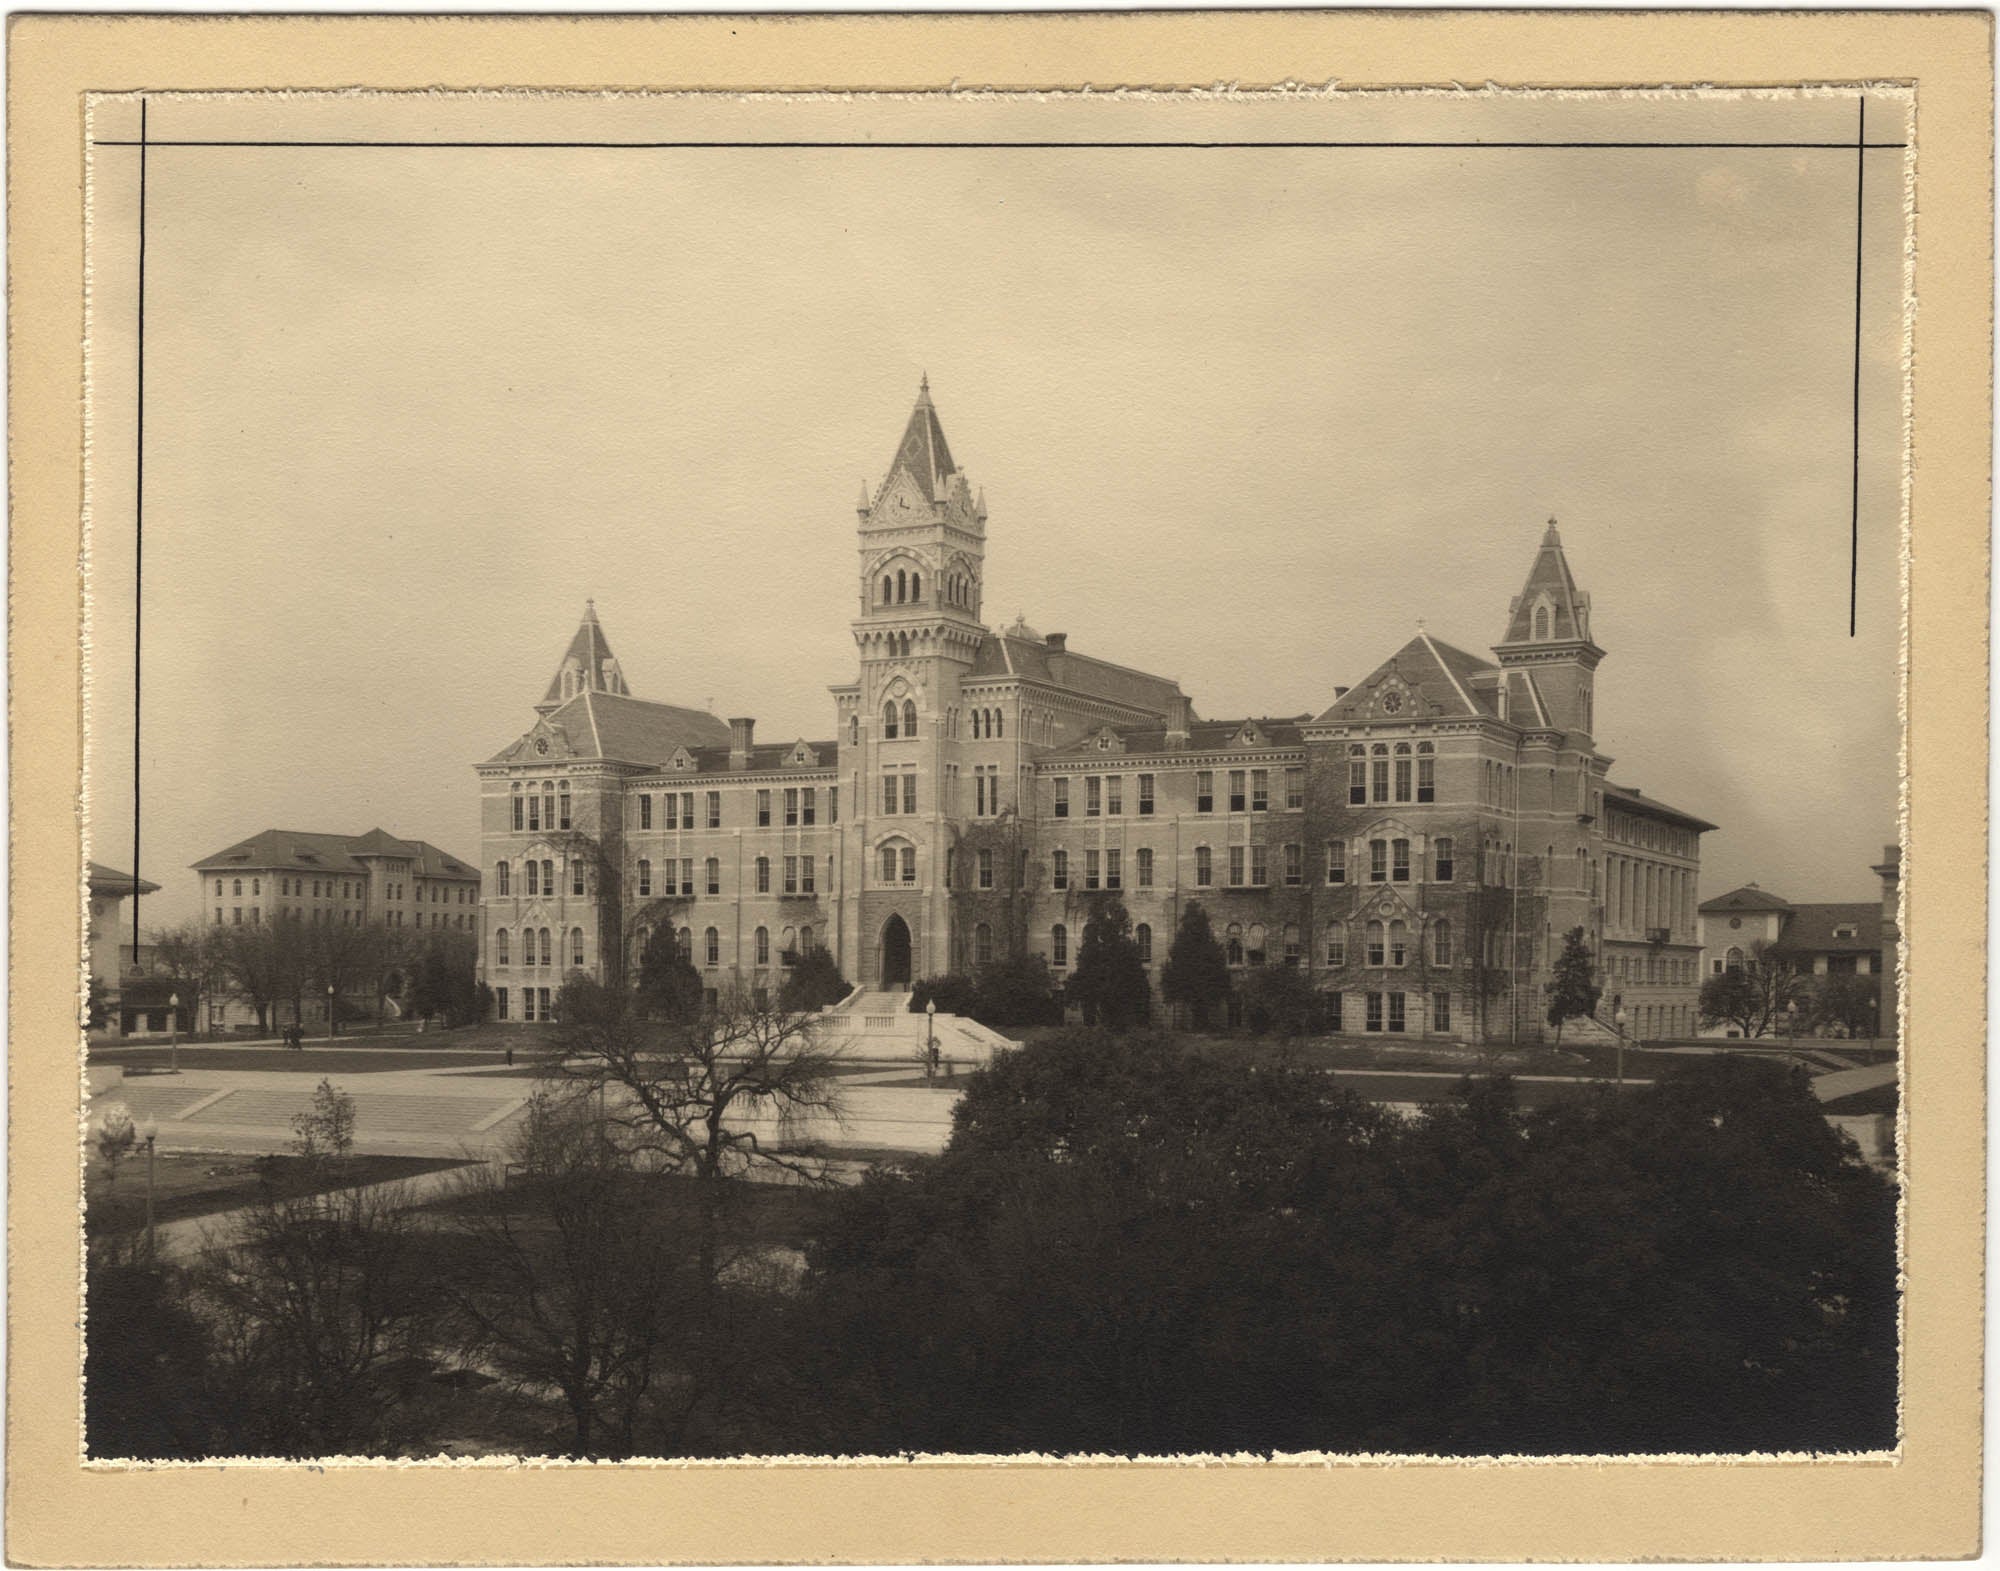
(814, 983)
(1110, 981)
(1197, 972)
(669, 986)
(1574, 991)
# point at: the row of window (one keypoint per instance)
(799, 874)
(537, 947)
(800, 806)
(791, 944)
(531, 998)
(319, 916)
(537, 878)
(541, 805)
(1660, 970)
(1380, 774)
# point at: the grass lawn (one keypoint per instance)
(191, 1183)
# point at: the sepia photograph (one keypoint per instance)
(1205, 775)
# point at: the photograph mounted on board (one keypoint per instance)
(852, 777)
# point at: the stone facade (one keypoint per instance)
(1420, 847)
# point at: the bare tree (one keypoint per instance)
(192, 954)
(578, 1276)
(1751, 996)
(264, 963)
(715, 1099)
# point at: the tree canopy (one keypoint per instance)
(1109, 982)
(1196, 974)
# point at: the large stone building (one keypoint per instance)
(1419, 847)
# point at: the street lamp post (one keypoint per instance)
(174, 1037)
(1792, 1024)
(329, 1011)
(930, 1038)
(149, 1132)
(1618, 1019)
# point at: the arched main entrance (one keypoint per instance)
(895, 953)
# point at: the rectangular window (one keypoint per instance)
(1336, 861)
(1145, 868)
(687, 875)
(517, 815)
(645, 878)
(1260, 790)
(527, 1003)
(1062, 796)
(1400, 873)
(1090, 874)
(1374, 1011)
(534, 813)
(1295, 789)
(833, 804)
(888, 793)
(1380, 779)
(1059, 869)
(1114, 796)
(791, 807)
(1235, 790)
(1427, 784)
(715, 810)
(1204, 867)
(950, 867)
(909, 864)
(576, 875)
(1398, 945)
(1357, 782)
(1378, 861)
(791, 875)
(712, 877)
(763, 875)
(500, 1003)
(547, 1012)
(1402, 780)
(985, 869)
(1093, 796)
(1295, 865)
(1204, 791)
(1333, 1012)
(805, 875)
(1145, 796)
(1114, 874)
(1260, 866)
(1376, 950)
(1336, 948)
(1442, 849)
(1395, 1011)
(687, 810)
(1440, 1011)
(1236, 867)
(807, 804)
(764, 809)
(910, 793)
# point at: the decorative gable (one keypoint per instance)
(802, 756)
(682, 763)
(1249, 734)
(1107, 741)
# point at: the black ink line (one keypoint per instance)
(1840, 147)
(1854, 517)
(139, 533)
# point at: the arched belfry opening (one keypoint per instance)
(895, 953)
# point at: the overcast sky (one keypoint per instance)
(1242, 417)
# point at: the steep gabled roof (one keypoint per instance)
(109, 881)
(1019, 652)
(923, 451)
(766, 756)
(619, 727)
(1747, 898)
(1549, 583)
(1443, 679)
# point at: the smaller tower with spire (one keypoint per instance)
(1548, 638)
(588, 665)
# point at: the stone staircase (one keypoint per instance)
(878, 1023)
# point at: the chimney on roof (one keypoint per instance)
(1180, 716)
(1059, 642)
(739, 743)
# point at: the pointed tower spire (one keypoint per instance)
(1548, 651)
(586, 666)
(1550, 609)
(923, 452)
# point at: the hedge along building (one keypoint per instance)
(1419, 848)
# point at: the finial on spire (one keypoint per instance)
(1420, 624)
(924, 391)
(1552, 538)
(590, 610)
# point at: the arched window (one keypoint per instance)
(805, 940)
(1441, 859)
(1378, 861)
(902, 588)
(1291, 943)
(500, 878)
(562, 798)
(1142, 935)
(236, 886)
(548, 878)
(1733, 961)
(500, 947)
(909, 864)
(684, 941)
(999, 722)
(888, 864)
(1441, 942)
(1375, 955)
(890, 716)
(888, 589)
(576, 947)
(1233, 944)
(1059, 945)
(909, 717)
(1255, 954)
(645, 877)
(712, 875)
(982, 944)
(788, 946)
(1399, 861)
(854, 730)
(548, 949)
(533, 870)
(1541, 622)
(763, 875)
(916, 586)
(711, 947)
(1399, 942)
(763, 943)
